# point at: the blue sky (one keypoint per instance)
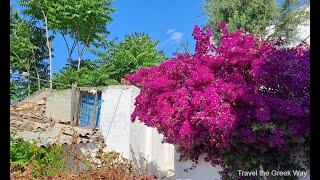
(168, 21)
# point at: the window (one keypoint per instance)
(90, 109)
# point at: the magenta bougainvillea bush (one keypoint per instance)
(238, 102)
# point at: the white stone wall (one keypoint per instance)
(115, 118)
(134, 141)
(202, 171)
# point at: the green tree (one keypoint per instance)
(25, 155)
(84, 21)
(256, 15)
(91, 74)
(289, 17)
(127, 56)
(134, 52)
(27, 56)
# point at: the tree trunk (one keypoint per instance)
(29, 89)
(80, 55)
(84, 46)
(38, 76)
(79, 61)
(28, 71)
(35, 67)
(49, 47)
(69, 49)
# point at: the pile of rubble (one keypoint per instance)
(28, 120)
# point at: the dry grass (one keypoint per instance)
(113, 167)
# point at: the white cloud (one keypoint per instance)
(169, 31)
(176, 36)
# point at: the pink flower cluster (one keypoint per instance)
(242, 90)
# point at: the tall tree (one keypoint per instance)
(289, 17)
(84, 21)
(90, 74)
(27, 55)
(255, 16)
(127, 56)
(135, 51)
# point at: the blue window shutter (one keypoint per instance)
(87, 110)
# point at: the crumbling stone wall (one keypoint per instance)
(58, 106)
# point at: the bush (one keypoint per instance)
(114, 166)
(31, 162)
(40, 162)
(244, 103)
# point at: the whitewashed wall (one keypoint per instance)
(114, 118)
(134, 141)
(202, 171)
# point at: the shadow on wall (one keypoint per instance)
(140, 161)
(189, 170)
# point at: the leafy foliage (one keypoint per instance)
(253, 16)
(134, 52)
(244, 97)
(31, 162)
(20, 42)
(46, 162)
(91, 74)
(256, 15)
(289, 18)
(27, 54)
(85, 20)
(17, 90)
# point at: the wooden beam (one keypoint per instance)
(77, 107)
(73, 105)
